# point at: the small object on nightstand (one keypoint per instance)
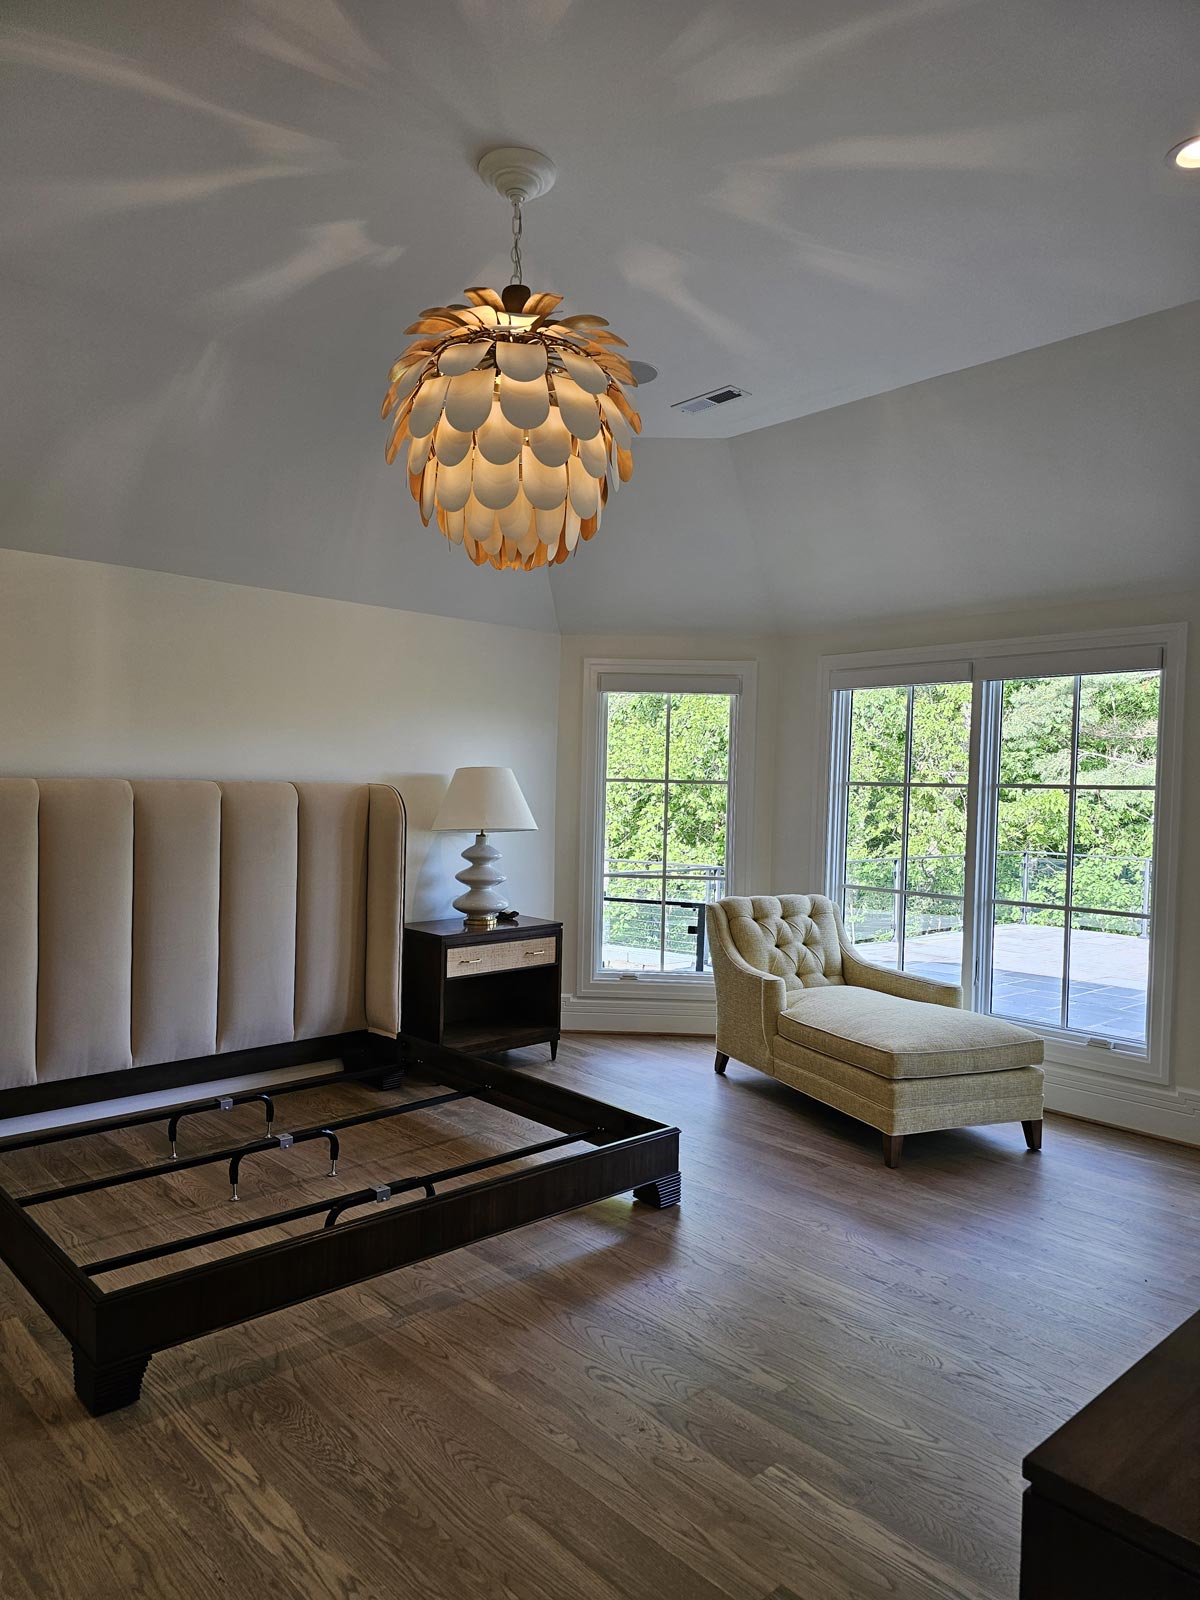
(508, 916)
(496, 989)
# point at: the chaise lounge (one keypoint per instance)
(797, 1001)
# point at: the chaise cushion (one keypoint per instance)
(896, 1038)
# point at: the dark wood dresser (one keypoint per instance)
(481, 992)
(1112, 1511)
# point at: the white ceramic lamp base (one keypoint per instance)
(483, 900)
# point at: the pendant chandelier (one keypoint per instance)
(512, 422)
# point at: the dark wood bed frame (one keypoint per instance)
(114, 1333)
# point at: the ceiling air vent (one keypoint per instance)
(714, 397)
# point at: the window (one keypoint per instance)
(666, 827)
(902, 883)
(1002, 820)
(669, 741)
(1072, 883)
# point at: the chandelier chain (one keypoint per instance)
(517, 228)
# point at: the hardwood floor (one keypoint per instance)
(814, 1380)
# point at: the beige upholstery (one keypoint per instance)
(897, 1039)
(385, 867)
(176, 939)
(156, 921)
(796, 1000)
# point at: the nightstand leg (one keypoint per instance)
(554, 1049)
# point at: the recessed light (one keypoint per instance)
(1186, 155)
(643, 372)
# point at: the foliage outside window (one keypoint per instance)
(1064, 890)
(666, 826)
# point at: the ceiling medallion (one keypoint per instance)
(513, 423)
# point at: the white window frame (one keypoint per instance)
(658, 677)
(983, 663)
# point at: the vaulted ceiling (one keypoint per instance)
(818, 202)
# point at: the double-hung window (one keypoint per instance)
(1002, 818)
(668, 745)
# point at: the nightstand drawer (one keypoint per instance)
(468, 961)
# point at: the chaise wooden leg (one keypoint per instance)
(721, 1062)
(893, 1144)
(1033, 1134)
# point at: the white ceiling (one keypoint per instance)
(816, 201)
(1053, 476)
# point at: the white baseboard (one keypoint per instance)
(1140, 1107)
(638, 1014)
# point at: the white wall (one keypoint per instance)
(108, 670)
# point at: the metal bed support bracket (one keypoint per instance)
(283, 1141)
(225, 1102)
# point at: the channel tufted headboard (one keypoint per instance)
(160, 921)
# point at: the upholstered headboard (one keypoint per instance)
(157, 921)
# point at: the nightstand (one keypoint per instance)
(480, 992)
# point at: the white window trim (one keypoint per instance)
(983, 658)
(698, 987)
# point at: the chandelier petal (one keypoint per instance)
(584, 490)
(499, 440)
(496, 485)
(427, 405)
(428, 478)
(526, 405)
(485, 297)
(594, 455)
(479, 519)
(571, 529)
(418, 453)
(524, 362)
(585, 372)
(545, 487)
(549, 523)
(454, 484)
(579, 410)
(456, 359)
(551, 443)
(616, 422)
(452, 527)
(538, 305)
(450, 444)
(626, 410)
(403, 385)
(398, 435)
(469, 399)
(516, 519)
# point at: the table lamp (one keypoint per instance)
(483, 800)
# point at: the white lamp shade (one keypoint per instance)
(484, 800)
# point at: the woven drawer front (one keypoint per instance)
(468, 961)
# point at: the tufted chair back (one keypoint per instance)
(794, 937)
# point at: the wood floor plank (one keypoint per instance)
(815, 1378)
